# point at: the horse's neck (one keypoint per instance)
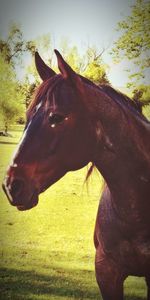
(123, 157)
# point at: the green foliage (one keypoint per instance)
(27, 90)
(94, 68)
(89, 64)
(12, 48)
(96, 73)
(43, 45)
(142, 94)
(73, 59)
(11, 106)
(134, 43)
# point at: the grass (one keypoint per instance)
(47, 252)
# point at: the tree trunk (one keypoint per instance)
(6, 128)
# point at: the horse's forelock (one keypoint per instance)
(42, 90)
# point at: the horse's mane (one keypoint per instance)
(110, 91)
(42, 90)
(117, 96)
(123, 100)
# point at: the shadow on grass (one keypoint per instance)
(17, 284)
(8, 143)
(60, 283)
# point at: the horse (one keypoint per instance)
(71, 122)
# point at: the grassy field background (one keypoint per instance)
(47, 252)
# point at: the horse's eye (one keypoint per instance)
(55, 118)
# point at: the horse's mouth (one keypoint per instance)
(24, 204)
(32, 203)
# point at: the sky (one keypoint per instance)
(83, 22)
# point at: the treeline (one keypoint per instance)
(16, 94)
(133, 44)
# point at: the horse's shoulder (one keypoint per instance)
(107, 228)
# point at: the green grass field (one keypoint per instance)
(47, 252)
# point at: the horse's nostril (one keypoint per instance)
(16, 187)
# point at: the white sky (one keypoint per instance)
(82, 21)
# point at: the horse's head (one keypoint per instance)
(57, 136)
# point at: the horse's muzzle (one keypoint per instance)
(20, 191)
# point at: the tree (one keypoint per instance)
(89, 64)
(13, 47)
(74, 59)
(134, 43)
(43, 45)
(141, 94)
(94, 68)
(96, 73)
(27, 89)
(11, 107)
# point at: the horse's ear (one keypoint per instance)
(64, 68)
(68, 73)
(44, 71)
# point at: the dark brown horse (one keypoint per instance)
(72, 122)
